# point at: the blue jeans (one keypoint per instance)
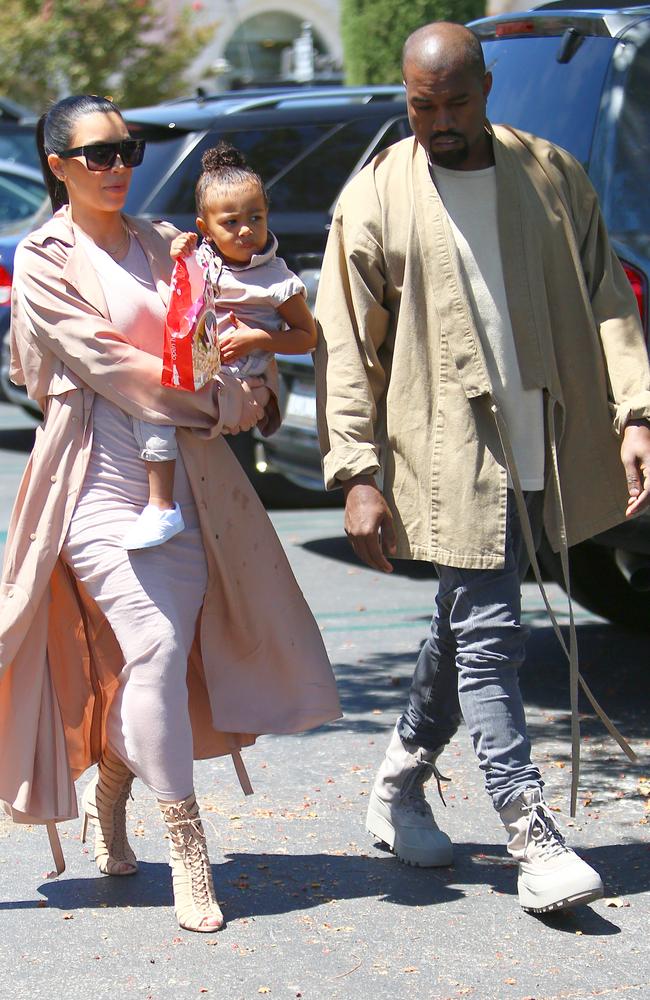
(470, 664)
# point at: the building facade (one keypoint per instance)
(261, 42)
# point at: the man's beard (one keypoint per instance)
(450, 158)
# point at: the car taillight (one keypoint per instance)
(639, 287)
(5, 286)
(514, 28)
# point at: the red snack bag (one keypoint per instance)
(191, 345)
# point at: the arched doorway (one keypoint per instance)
(262, 48)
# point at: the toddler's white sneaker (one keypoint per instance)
(153, 527)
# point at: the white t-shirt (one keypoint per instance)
(470, 199)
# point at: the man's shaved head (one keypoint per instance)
(444, 46)
(447, 89)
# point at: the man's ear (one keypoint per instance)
(487, 85)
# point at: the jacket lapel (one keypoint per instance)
(78, 271)
(445, 282)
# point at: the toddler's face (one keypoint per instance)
(236, 221)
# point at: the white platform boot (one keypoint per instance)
(398, 812)
(551, 875)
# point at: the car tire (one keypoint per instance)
(598, 584)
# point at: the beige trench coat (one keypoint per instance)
(258, 664)
(403, 388)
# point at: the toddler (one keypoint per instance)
(260, 304)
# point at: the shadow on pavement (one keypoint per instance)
(17, 439)
(613, 661)
(261, 884)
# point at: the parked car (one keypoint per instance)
(17, 128)
(580, 77)
(22, 192)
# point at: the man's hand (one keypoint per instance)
(369, 522)
(239, 341)
(183, 245)
(635, 456)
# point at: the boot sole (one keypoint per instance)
(568, 902)
(382, 830)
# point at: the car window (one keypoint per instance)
(18, 144)
(160, 155)
(625, 201)
(267, 150)
(20, 197)
(534, 92)
(396, 130)
(313, 182)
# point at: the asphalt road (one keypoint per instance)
(315, 909)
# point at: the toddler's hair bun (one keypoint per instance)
(222, 155)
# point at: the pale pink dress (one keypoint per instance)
(150, 597)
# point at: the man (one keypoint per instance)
(475, 329)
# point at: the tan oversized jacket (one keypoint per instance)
(258, 664)
(403, 388)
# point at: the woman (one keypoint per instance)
(140, 661)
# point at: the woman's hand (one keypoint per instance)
(256, 397)
(239, 341)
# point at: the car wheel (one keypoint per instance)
(598, 584)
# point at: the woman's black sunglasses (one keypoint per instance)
(102, 155)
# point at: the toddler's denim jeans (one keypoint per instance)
(470, 664)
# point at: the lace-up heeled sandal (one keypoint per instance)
(104, 805)
(194, 898)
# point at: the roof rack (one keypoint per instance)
(242, 100)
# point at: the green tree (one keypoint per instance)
(374, 31)
(131, 50)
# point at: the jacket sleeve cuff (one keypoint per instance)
(347, 461)
(637, 407)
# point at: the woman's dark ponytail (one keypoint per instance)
(226, 167)
(54, 134)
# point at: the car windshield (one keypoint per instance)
(534, 92)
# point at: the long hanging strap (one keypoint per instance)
(571, 653)
(242, 773)
(57, 850)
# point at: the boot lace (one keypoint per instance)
(542, 831)
(412, 794)
(188, 838)
(119, 848)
